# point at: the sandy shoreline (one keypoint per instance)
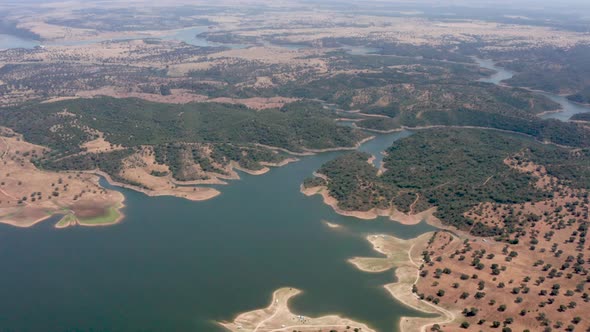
(550, 112)
(392, 213)
(32, 223)
(278, 317)
(331, 224)
(29, 195)
(266, 166)
(202, 195)
(356, 146)
(48, 214)
(405, 257)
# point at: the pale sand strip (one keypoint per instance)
(278, 317)
(404, 256)
(392, 213)
(264, 169)
(200, 194)
(331, 224)
(356, 146)
(6, 217)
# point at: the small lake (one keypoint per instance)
(191, 37)
(176, 265)
(10, 41)
(569, 108)
(359, 50)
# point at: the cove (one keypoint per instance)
(569, 108)
(176, 265)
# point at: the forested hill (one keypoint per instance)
(131, 122)
(453, 170)
(192, 140)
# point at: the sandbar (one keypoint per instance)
(278, 317)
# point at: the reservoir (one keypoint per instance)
(569, 108)
(10, 41)
(177, 265)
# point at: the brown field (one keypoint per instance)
(296, 23)
(520, 293)
(154, 179)
(29, 195)
(180, 96)
(535, 279)
(567, 204)
(140, 167)
(404, 257)
(517, 294)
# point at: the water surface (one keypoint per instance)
(569, 108)
(191, 37)
(176, 265)
(10, 41)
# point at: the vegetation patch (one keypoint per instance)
(452, 170)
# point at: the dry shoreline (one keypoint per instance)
(278, 317)
(266, 166)
(404, 256)
(331, 224)
(25, 216)
(392, 213)
(29, 195)
(49, 214)
(356, 146)
(207, 194)
(203, 193)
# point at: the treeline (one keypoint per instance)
(551, 130)
(581, 117)
(108, 162)
(177, 133)
(133, 122)
(211, 158)
(453, 170)
(553, 69)
(582, 96)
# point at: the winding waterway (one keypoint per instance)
(176, 265)
(569, 108)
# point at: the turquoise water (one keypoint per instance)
(569, 108)
(176, 265)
